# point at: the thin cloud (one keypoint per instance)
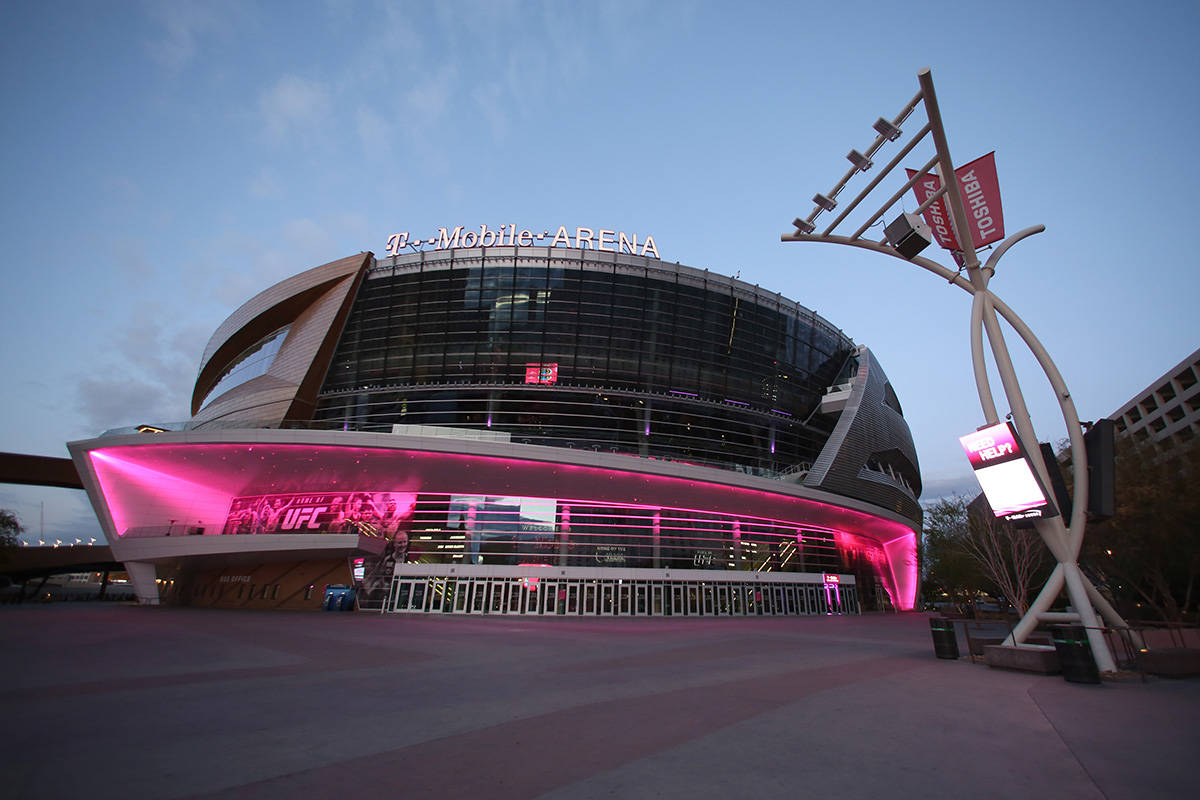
(293, 246)
(934, 489)
(146, 376)
(294, 106)
(374, 132)
(425, 102)
(183, 23)
(132, 257)
(265, 185)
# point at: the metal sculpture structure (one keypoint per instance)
(1063, 539)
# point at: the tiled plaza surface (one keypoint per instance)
(119, 701)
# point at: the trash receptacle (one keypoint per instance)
(1075, 654)
(339, 597)
(945, 643)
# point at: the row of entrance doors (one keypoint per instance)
(479, 595)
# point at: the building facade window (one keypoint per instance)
(632, 358)
(251, 363)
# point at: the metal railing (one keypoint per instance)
(1145, 648)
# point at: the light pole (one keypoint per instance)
(1063, 539)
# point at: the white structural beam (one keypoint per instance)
(1063, 538)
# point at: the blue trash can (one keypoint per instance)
(338, 597)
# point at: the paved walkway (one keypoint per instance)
(119, 701)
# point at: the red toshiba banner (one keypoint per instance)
(980, 189)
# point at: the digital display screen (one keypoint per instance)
(1005, 474)
(541, 373)
(493, 524)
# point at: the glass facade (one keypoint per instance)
(587, 350)
(568, 593)
(255, 360)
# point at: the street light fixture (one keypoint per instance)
(860, 162)
(905, 239)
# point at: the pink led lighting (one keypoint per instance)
(146, 484)
(137, 494)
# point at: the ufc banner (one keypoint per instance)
(365, 513)
(980, 191)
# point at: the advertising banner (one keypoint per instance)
(980, 190)
(503, 530)
(541, 373)
(381, 514)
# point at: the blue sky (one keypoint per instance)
(165, 161)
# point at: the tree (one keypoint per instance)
(968, 551)
(945, 566)
(10, 529)
(1148, 554)
(1011, 557)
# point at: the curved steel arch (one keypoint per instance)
(1064, 540)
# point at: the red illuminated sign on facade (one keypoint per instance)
(833, 578)
(541, 373)
(600, 239)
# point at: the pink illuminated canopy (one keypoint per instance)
(195, 483)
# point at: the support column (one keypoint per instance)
(656, 529)
(564, 534)
(737, 545)
(1087, 615)
(1062, 539)
(143, 575)
(473, 556)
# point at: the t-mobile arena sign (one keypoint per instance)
(602, 239)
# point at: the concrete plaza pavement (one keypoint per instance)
(121, 701)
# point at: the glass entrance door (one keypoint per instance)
(549, 596)
(531, 598)
(515, 598)
(573, 598)
(478, 597)
(403, 593)
(607, 602)
(615, 596)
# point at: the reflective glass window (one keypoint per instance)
(250, 363)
